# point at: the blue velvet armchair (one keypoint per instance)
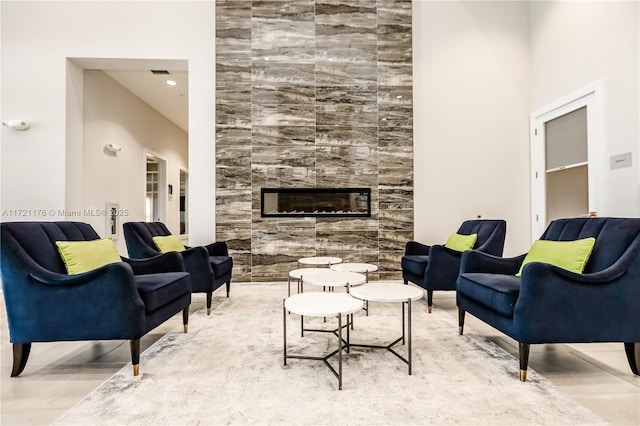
(210, 266)
(123, 300)
(547, 304)
(436, 267)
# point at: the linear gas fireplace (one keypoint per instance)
(315, 202)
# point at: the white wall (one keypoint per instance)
(476, 80)
(471, 108)
(38, 37)
(575, 44)
(112, 114)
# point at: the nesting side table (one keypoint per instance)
(323, 277)
(363, 268)
(321, 304)
(299, 274)
(327, 278)
(319, 260)
(391, 293)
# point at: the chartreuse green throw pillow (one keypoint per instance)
(168, 243)
(83, 256)
(569, 255)
(461, 242)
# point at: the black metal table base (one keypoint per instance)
(390, 346)
(325, 359)
(345, 343)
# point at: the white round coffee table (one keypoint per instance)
(319, 260)
(299, 274)
(391, 293)
(329, 278)
(363, 268)
(321, 304)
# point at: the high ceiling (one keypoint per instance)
(170, 101)
(136, 76)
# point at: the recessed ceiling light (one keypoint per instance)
(171, 82)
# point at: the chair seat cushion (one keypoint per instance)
(496, 291)
(157, 290)
(221, 265)
(415, 264)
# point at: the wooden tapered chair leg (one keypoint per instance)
(523, 349)
(460, 321)
(209, 297)
(135, 355)
(20, 356)
(228, 287)
(429, 300)
(185, 319)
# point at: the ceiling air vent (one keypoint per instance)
(161, 72)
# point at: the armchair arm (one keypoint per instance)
(443, 268)
(445, 249)
(416, 248)
(477, 261)
(555, 305)
(196, 262)
(166, 262)
(99, 304)
(47, 277)
(219, 248)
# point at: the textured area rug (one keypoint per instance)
(229, 370)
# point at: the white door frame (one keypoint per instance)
(590, 97)
(162, 184)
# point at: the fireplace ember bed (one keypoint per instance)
(315, 202)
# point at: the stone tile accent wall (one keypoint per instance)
(313, 93)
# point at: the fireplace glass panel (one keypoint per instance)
(316, 202)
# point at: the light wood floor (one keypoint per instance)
(59, 375)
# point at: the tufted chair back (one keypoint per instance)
(139, 237)
(613, 237)
(491, 234)
(28, 237)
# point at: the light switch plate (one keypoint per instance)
(619, 161)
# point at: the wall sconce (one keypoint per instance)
(16, 124)
(112, 147)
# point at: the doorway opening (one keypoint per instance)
(184, 204)
(567, 165)
(566, 154)
(156, 192)
(142, 106)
